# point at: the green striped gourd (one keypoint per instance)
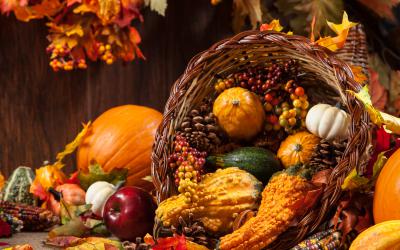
(17, 187)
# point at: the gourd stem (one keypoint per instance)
(57, 195)
(235, 102)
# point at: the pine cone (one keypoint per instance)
(200, 128)
(269, 140)
(137, 245)
(33, 218)
(193, 230)
(327, 154)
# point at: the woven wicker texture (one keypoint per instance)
(326, 80)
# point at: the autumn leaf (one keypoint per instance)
(108, 10)
(359, 76)
(354, 181)
(273, 25)
(70, 147)
(364, 97)
(158, 6)
(300, 14)
(384, 8)
(2, 181)
(46, 8)
(378, 91)
(243, 9)
(342, 30)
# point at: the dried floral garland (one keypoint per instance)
(80, 29)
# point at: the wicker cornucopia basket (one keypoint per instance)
(326, 78)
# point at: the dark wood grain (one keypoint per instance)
(41, 111)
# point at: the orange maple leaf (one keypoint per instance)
(359, 76)
(342, 30)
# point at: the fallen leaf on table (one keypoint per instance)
(97, 243)
(20, 247)
(63, 241)
(74, 227)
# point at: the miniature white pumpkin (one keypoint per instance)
(97, 195)
(328, 122)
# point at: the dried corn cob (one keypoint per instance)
(15, 223)
(325, 240)
(33, 218)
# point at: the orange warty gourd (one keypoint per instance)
(122, 137)
(387, 191)
(239, 112)
(297, 148)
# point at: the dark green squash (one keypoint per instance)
(259, 162)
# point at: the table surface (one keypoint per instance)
(34, 239)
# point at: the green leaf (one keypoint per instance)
(96, 173)
(69, 212)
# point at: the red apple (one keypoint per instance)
(129, 213)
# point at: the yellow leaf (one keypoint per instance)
(96, 243)
(108, 10)
(358, 74)
(391, 123)
(364, 97)
(342, 30)
(70, 148)
(84, 8)
(345, 25)
(353, 181)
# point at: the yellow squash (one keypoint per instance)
(382, 236)
(222, 195)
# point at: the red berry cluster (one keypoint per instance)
(187, 162)
(61, 58)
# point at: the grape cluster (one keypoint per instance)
(61, 58)
(187, 162)
(285, 101)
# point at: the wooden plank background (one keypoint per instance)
(41, 111)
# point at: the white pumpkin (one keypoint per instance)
(97, 195)
(328, 122)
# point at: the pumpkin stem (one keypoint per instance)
(57, 195)
(235, 102)
(119, 184)
(298, 147)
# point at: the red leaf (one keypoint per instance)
(73, 179)
(176, 242)
(71, 2)
(110, 247)
(38, 190)
(321, 177)
(378, 93)
(127, 15)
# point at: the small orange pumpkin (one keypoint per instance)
(240, 113)
(297, 148)
(72, 194)
(122, 137)
(387, 191)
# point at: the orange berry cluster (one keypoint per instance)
(187, 162)
(105, 53)
(61, 58)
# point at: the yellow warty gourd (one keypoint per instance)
(222, 196)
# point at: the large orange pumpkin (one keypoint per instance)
(122, 137)
(387, 191)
